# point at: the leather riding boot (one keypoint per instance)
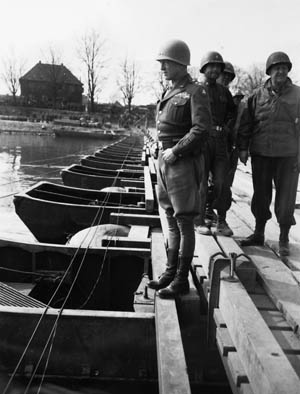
(180, 284)
(284, 240)
(166, 277)
(257, 238)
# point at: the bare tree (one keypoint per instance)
(92, 49)
(159, 85)
(129, 82)
(248, 81)
(13, 70)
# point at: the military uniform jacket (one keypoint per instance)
(223, 109)
(270, 122)
(183, 116)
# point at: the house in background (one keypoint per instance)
(51, 85)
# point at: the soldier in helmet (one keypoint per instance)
(269, 130)
(227, 75)
(217, 159)
(183, 122)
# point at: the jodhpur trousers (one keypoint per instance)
(178, 195)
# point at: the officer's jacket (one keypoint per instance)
(223, 109)
(183, 116)
(270, 122)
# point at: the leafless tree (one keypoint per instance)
(248, 81)
(129, 82)
(158, 85)
(92, 52)
(13, 70)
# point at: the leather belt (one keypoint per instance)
(166, 144)
(217, 131)
(218, 128)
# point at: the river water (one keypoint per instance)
(26, 159)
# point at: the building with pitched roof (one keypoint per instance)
(51, 85)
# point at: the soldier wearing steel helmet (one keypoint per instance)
(227, 75)
(217, 161)
(183, 122)
(269, 130)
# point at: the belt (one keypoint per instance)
(166, 144)
(217, 131)
(218, 128)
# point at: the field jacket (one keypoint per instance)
(184, 118)
(270, 122)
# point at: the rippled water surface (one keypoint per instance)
(26, 159)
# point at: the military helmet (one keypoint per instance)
(276, 58)
(175, 50)
(211, 57)
(229, 69)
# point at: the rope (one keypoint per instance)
(53, 331)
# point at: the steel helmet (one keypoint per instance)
(212, 57)
(229, 69)
(175, 50)
(276, 58)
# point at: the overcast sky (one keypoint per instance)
(243, 31)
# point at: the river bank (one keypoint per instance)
(26, 127)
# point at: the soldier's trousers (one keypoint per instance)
(284, 173)
(178, 195)
(217, 162)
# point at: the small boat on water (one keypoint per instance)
(69, 312)
(55, 212)
(98, 178)
(97, 162)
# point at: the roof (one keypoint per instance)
(43, 72)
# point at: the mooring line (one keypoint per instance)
(53, 331)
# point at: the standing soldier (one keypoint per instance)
(217, 161)
(183, 122)
(270, 130)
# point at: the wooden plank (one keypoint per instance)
(126, 242)
(139, 232)
(279, 284)
(151, 166)
(139, 220)
(205, 247)
(172, 368)
(230, 358)
(149, 195)
(224, 341)
(128, 182)
(266, 366)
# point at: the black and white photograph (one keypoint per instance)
(150, 197)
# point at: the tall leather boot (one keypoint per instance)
(180, 284)
(284, 240)
(166, 277)
(257, 238)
